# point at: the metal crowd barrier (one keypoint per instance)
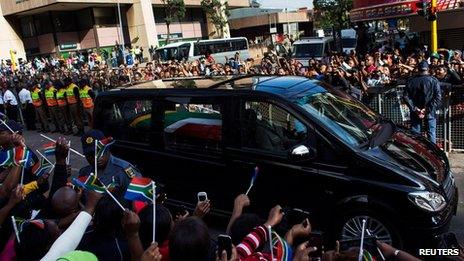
(388, 101)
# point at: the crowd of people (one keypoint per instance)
(42, 219)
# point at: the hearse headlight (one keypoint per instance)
(430, 201)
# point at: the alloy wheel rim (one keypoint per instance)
(352, 229)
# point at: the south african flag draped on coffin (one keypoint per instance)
(103, 145)
(140, 189)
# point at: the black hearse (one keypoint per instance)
(316, 148)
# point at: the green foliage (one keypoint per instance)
(215, 9)
(332, 13)
(175, 11)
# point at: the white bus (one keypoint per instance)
(219, 49)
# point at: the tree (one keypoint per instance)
(332, 14)
(175, 11)
(217, 11)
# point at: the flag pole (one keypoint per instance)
(95, 159)
(69, 153)
(269, 229)
(8, 126)
(360, 255)
(15, 228)
(45, 158)
(109, 193)
(153, 186)
(71, 149)
(249, 189)
(22, 176)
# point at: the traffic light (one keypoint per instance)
(426, 10)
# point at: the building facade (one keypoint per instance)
(260, 23)
(450, 18)
(40, 27)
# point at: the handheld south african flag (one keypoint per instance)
(6, 158)
(140, 189)
(41, 167)
(49, 148)
(103, 145)
(92, 183)
(282, 251)
(24, 157)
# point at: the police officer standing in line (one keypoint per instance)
(37, 101)
(52, 103)
(110, 168)
(87, 96)
(72, 94)
(423, 96)
(62, 107)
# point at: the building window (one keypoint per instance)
(43, 23)
(27, 26)
(64, 21)
(105, 16)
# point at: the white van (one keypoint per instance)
(349, 40)
(219, 49)
(312, 47)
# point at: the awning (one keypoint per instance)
(368, 10)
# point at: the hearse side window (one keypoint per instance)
(193, 127)
(128, 120)
(266, 126)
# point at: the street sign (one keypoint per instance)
(67, 47)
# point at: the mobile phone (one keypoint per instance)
(316, 240)
(224, 242)
(202, 196)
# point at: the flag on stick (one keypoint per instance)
(6, 158)
(361, 251)
(153, 199)
(253, 179)
(103, 145)
(71, 149)
(42, 167)
(49, 148)
(140, 189)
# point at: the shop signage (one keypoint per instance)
(171, 36)
(66, 47)
(385, 11)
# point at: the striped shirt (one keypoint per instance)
(246, 249)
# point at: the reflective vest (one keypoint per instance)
(60, 98)
(50, 96)
(70, 94)
(86, 100)
(36, 97)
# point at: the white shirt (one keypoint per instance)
(69, 240)
(25, 96)
(9, 97)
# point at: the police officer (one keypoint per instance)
(87, 96)
(423, 96)
(63, 108)
(110, 168)
(52, 103)
(72, 93)
(36, 95)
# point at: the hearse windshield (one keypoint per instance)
(348, 119)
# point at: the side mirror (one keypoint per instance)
(302, 153)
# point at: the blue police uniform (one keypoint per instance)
(117, 170)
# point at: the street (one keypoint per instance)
(34, 140)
